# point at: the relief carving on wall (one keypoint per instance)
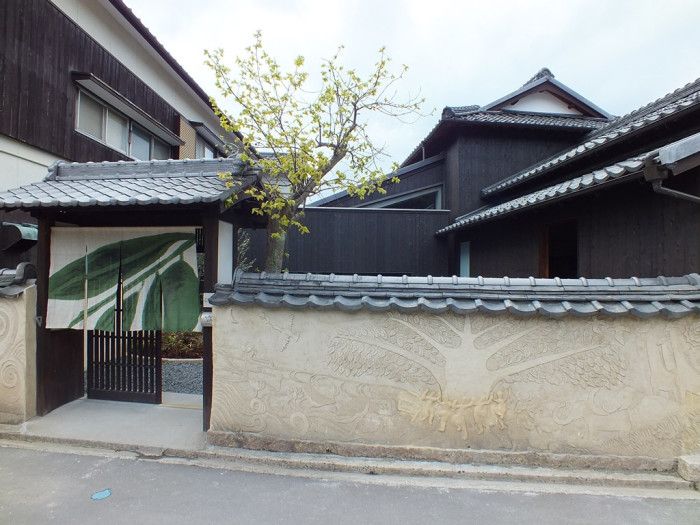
(12, 357)
(262, 397)
(594, 385)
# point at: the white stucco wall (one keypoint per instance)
(18, 357)
(543, 103)
(22, 164)
(600, 385)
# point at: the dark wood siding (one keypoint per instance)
(483, 156)
(624, 231)
(365, 241)
(41, 48)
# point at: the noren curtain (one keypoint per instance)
(156, 267)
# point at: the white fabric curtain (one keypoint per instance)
(157, 268)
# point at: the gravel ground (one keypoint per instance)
(184, 377)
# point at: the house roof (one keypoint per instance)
(672, 297)
(544, 81)
(615, 173)
(521, 118)
(498, 112)
(621, 128)
(135, 22)
(132, 183)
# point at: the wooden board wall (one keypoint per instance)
(41, 48)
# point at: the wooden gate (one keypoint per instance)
(124, 366)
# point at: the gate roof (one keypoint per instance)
(169, 182)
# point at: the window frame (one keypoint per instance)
(130, 124)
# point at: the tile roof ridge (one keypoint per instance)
(550, 297)
(135, 169)
(451, 111)
(674, 96)
(545, 72)
(621, 126)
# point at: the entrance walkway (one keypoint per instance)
(176, 424)
(173, 433)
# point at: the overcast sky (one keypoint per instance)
(619, 54)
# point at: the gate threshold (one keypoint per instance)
(178, 400)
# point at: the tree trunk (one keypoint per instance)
(274, 250)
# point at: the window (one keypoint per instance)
(202, 149)
(107, 125)
(464, 259)
(427, 199)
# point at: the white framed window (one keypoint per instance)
(108, 126)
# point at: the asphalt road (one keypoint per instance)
(49, 487)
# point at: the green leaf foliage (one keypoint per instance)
(313, 139)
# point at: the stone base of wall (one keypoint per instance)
(253, 441)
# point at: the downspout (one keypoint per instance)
(658, 188)
(655, 173)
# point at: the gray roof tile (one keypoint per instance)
(518, 118)
(595, 179)
(131, 183)
(647, 297)
(617, 129)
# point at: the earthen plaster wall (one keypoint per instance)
(597, 385)
(17, 357)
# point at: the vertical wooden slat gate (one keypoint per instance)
(124, 366)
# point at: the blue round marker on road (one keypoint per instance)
(106, 493)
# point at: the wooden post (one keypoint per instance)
(59, 353)
(210, 226)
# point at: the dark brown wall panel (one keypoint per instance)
(41, 47)
(623, 231)
(348, 241)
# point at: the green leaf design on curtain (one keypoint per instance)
(180, 288)
(129, 305)
(69, 282)
(106, 321)
(141, 252)
(152, 312)
(172, 300)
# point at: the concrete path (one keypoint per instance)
(172, 434)
(58, 487)
(177, 423)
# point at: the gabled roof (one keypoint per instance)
(132, 183)
(617, 172)
(621, 128)
(672, 297)
(499, 113)
(544, 82)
